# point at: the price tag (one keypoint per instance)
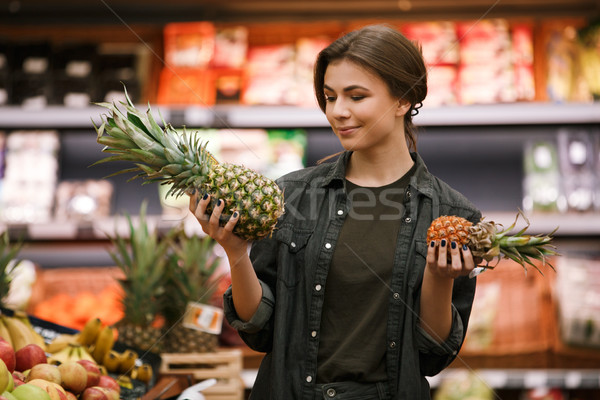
(203, 317)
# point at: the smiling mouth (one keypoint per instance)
(346, 130)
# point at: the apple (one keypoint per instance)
(74, 376)
(11, 382)
(28, 356)
(54, 390)
(27, 391)
(94, 393)
(70, 395)
(4, 374)
(18, 378)
(47, 372)
(7, 354)
(7, 396)
(108, 382)
(93, 372)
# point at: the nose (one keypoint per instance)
(339, 109)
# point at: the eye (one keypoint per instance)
(357, 98)
(329, 99)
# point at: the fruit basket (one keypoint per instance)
(49, 331)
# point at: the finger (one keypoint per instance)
(442, 260)
(200, 212)
(468, 261)
(193, 201)
(457, 264)
(431, 255)
(232, 221)
(216, 214)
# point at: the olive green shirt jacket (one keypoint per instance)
(292, 267)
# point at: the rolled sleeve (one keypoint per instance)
(259, 319)
(450, 347)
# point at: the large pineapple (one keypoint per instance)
(191, 277)
(488, 241)
(142, 257)
(166, 156)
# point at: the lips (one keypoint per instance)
(346, 130)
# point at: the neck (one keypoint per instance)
(381, 169)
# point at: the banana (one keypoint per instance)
(38, 339)
(104, 343)
(127, 361)
(144, 373)
(125, 382)
(20, 333)
(4, 333)
(60, 342)
(65, 355)
(102, 369)
(112, 361)
(90, 331)
(84, 354)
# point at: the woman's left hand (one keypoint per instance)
(459, 263)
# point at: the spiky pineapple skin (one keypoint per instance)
(180, 339)
(146, 338)
(450, 228)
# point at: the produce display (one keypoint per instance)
(486, 240)
(164, 155)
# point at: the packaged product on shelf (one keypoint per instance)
(441, 85)
(72, 70)
(30, 176)
(307, 49)
(576, 159)
(522, 51)
(231, 47)
(33, 58)
(541, 181)
(589, 57)
(83, 200)
(228, 84)
(186, 86)
(189, 44)
(578, 298)
(438, 40)
(270, 75)
(119, 64)
(31, 91)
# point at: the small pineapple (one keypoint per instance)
(143, 259)
(191, 277)
(488, 241)
(183, 161)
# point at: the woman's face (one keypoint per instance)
(361, 110)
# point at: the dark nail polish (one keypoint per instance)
(443, 242)
(235, 214)
(465, 248)
(205, 196)
(453, 244)
(432, 243)
(219, 203)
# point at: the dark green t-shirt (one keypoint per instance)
(352, 344)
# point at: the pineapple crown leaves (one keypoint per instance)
(142, 258)
(8, 262)
(519, 247)
(157, 154)
(190, 275)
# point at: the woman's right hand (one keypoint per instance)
(233, 245)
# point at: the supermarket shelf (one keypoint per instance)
(297, 117)
(584, 224)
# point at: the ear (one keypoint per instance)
(403, 107)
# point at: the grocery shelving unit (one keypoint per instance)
(483, 143)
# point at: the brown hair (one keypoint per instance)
(390, 55)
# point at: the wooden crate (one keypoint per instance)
(224, 365)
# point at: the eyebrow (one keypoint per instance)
(347, 89)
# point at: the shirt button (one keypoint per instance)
(392, 345)
(313, 334)
(327, 246)
(340, 212)
(407, 220)
(309, 379)
(293, 244)
(331, 392)
(396, 296)
(408, 194)
(318, 288)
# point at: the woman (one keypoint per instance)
(346, 299)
